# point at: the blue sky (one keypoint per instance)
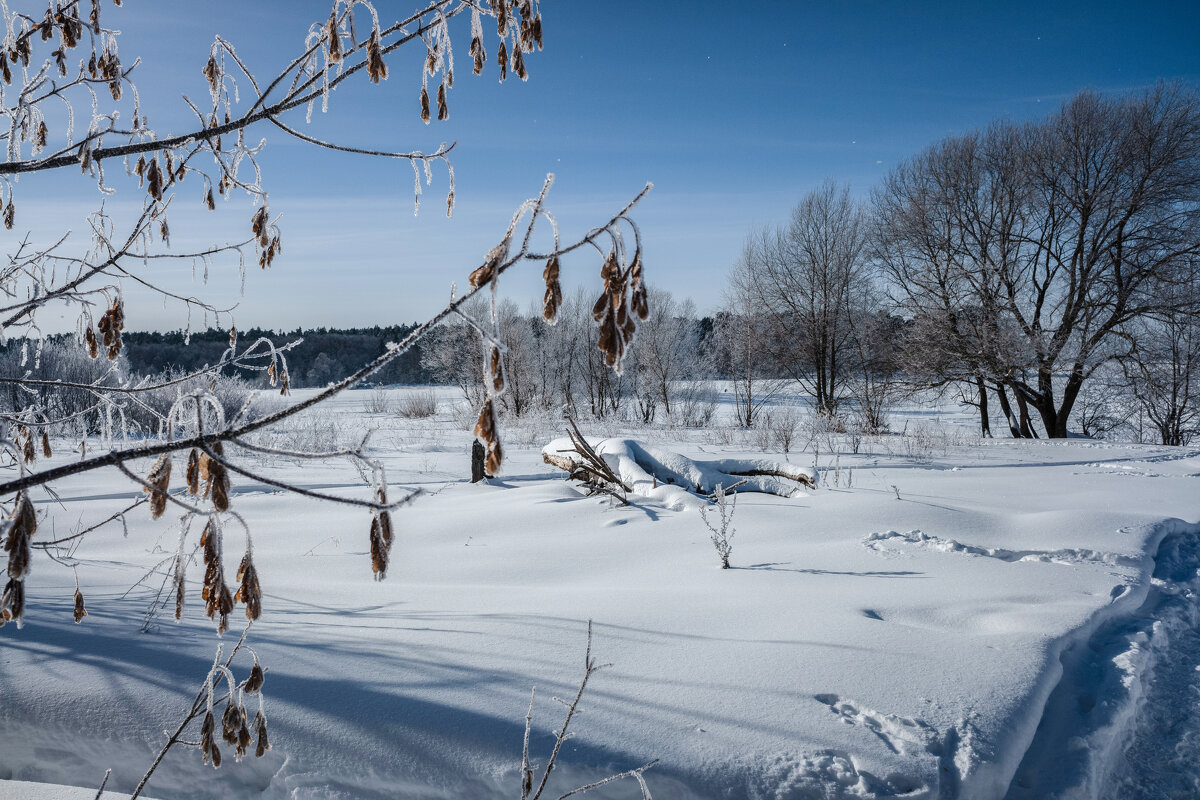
(733, 110)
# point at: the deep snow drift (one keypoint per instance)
(896, 634)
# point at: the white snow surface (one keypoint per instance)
(863, 644)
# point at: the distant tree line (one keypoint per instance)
(323, 355)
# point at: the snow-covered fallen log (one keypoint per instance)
(632, 467)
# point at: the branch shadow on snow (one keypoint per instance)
(779, 566)
(395, 712)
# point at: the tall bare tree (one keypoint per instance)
(803, 277)
(1033, 247)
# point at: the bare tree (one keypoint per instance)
(803, 277)
(668, 349)
(738, 349)
(1034, 247)
(1163, 375)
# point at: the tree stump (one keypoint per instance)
(478, 454)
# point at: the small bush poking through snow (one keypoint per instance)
(721, 534)
(418, 405)
(378, 402)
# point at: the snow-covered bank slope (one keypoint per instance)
(1121, 681)
(863, 646)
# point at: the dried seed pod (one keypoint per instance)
(602, 305)
(208, 199)
(478, 54)
(376, 67)
(443, 110)
(92, 345)
(22, 526)
(639, 302)
(9, 214)
(207, 729)
(258, 224)
(224, 607)
(485, 426)
(553, 297)
(424, 105)
(491, 263)
(110, 326)
(80, 611)
(255, 681)
(193, 472)
(46, 445)
(220, 486)
(154, 181)
(335, 40)
(497, 370)
(502, 59)
(231, 720)
(285, 381)
(385, 527)
(260, 725)
(243, 741)
(249, 591)
(212, 73)
(501, 17)
(12, 601)
(42, 134)
(159, 479)
(495, 457)
(537, 30)
(30, 454)
(518, 65)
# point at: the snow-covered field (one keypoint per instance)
(908, 629)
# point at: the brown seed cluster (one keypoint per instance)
(491, 264)
(268, 238)
(496, 366)
(80, 611)
(110, 326)
(235, 725)
(25, 442)
(159, 480)
(207, 477)
(334, 39)
(381, 539)
(623, 299)
(376, 67)
(249, 592)
(22, 525)
(552, 300)
(218, 600)
(487, 431)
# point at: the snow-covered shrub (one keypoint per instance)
(721, 532)
(419, 404)
(378, 401)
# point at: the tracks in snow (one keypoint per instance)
(1065, 556)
